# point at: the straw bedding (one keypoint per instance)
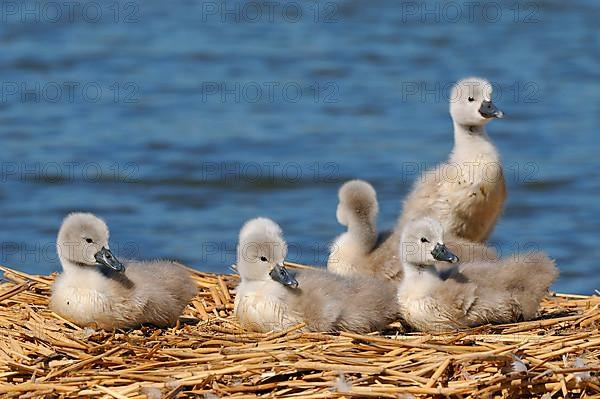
(208, 355)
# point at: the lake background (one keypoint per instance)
(178, 121)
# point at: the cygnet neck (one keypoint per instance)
(418, 271)
(70, 266)
(88, 273)
(361, 228)
(469, 132)
(246, 273)
(470, 141)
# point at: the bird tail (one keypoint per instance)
(529, 277)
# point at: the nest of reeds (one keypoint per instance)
(208, 355)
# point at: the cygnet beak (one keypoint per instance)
(442, 253)
(106, 258)
(282, 276)
(489, 110)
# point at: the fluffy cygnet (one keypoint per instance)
(357, 210)
(466, 193)
(476, 293)
(269, 297)
(96, 289)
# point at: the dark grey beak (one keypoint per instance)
(106, 258)
(442, 253)
(489, 110)
(282, 276)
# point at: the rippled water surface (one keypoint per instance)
(181, 124)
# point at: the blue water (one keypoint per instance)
(176, 122)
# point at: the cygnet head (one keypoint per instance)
(358, 199)
(261, 251)
(422, 244)
(83, 241)
(471, 102)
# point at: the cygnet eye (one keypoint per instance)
(423, 239)
(471, 99)
(89, 240)
(263, 258)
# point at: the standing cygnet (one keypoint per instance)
(271, 298)
(467, 193)
(357, 209)
(502, 291)
(95, 289)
